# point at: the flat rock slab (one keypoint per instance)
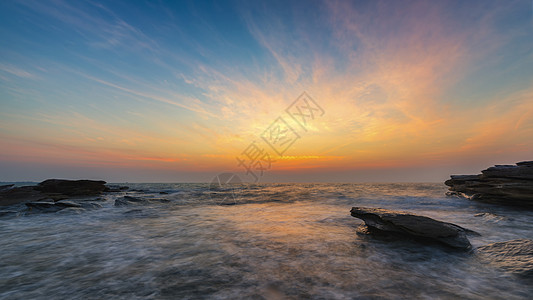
(17, 195)
(514, 256)
(72, 187)
(415, 226)
(501, 184)
(52, 190)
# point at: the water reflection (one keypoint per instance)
(302, 245)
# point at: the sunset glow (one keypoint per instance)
(176, 91)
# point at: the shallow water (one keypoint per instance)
(275, 241)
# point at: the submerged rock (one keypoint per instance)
(403, 223)
(6, 187)
(51, 206)
(501, 184)
(9, 213)
(492, 217)
(129, 200)
(514, 256)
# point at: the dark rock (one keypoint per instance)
(514, 256)
(501, 184)
(465, 177)
(41, 198)
(522, 171)
(6, 187)
(20, 194)
(403, 223)
(128, 200)
(9, 213)
(50, 206)
(56, 196)
(81, 203)
(72, 187)
(133, 211)
(68, 204)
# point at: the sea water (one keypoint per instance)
(264, 241)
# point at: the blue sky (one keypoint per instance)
(173, 91)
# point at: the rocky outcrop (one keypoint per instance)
(50, 196)
(53, 190)
(72, 187)
(514, 256)
(18, 195)
(501, 184)
(406, 224)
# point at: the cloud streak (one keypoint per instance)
(414, 84)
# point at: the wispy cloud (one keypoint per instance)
(400, 83)
(13, 70)
(100, 26)
(196, 109)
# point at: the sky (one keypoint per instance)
(273, 91)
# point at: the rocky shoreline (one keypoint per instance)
(53, 195)
(509, 185)
(502, 184)
(515, 256)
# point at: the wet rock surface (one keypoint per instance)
(72, 187)
(12, 196)
(129, 200)
(514, 256)
(53, 195)
(383, 221)
(50, 206)
(501, 184)
(6, 187)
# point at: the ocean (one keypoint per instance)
(263, 241)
